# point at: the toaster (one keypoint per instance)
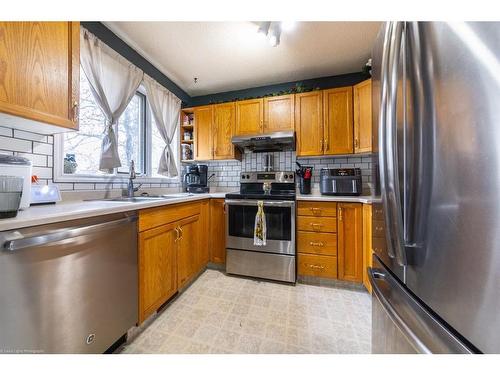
(340, 181)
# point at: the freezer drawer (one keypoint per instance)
(68, 287)
(400, 324)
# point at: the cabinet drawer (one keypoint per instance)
(317, 265)
(317, 209)
(317, 224)
(154, 217)
(317, 243)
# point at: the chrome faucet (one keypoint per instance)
(130, 187)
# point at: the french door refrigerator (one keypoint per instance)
(436, 227)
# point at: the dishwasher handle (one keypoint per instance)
(25, 242)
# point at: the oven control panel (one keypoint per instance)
(278, 176)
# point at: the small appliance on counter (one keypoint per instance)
(16, 166)
(340, 181)
(305, 177)
(11, 190)
(195, 178)
(45, 194)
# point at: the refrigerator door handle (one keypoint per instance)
(394, 208)
(422, 331)
(382, 131)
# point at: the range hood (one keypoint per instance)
(267, 142)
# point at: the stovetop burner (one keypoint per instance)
(279, 185)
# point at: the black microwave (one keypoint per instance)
(340, 181)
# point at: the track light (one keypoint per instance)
(274, 34)
(272, 30)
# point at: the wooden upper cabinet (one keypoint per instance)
(279, 113)
(350, 241)
(363, 116)
(249, 116)
(309, 123)
(157, 268)
(224, 124)
(203, 124)
(40, 71)
(337, 112)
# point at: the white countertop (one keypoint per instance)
(316, 196)
(76, 209)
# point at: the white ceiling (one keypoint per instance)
(229, 56)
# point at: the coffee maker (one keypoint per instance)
(195, 178)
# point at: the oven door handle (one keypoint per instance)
(253, 202)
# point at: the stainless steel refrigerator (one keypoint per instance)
(436, 228)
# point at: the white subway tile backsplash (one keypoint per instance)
(39, 149)
(13, 144)
(42, 148)
(42, 172)
(6, 132)
(20, 134)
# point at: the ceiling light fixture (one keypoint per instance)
(272, 29)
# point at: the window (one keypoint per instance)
(77, 153)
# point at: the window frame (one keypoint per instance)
(120, 177)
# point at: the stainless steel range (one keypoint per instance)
(275, 260)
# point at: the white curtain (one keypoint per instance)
(166, 109)
(113, 82)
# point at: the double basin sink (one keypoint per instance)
(145, 198)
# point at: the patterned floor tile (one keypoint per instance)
(226, 314)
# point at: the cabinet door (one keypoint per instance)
(350, 241)
(187, 247)
(203, 245)
(367, 244)
(203, 124)
(309, 123)
(337, 112)
(279, 113)
(40, 71)
(224, 124)
(363, 116)
(249, 117)
(217, 231)
(157, 268)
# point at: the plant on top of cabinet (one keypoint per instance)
(39, 79)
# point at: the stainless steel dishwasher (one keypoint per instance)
(68, 287)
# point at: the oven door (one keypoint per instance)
(280, 225)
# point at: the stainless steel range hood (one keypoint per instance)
(276, 141)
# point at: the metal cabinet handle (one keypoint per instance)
(340, 213)
(182, 232)
(326, 144)
(177, 234)
(75, 111)
(319, 244)
(316, 225)
(321, 145)
(316, 266)
(25, 242)
(316, 210)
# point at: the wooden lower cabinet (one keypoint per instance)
(330, 240)
(350, 241)
(187, 249)
(157, 268)
(217, 233)
(317, 265)
(172, 250)
(367, 244)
